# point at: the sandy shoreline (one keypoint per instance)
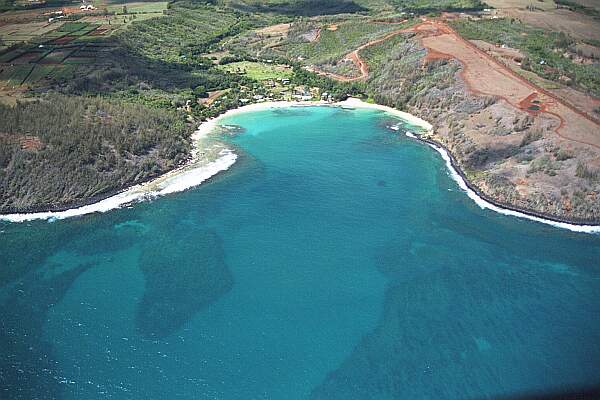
(206, 127)
(198, 171)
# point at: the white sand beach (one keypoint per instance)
(202, 167)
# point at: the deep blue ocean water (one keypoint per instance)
(335, 260)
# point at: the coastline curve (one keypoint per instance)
(196, 172)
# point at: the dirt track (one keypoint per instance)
(486, 76)
(359, 62)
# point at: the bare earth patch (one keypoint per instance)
(486, 76)
(275, 30)
(523, 149)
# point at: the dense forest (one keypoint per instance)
(59, 150)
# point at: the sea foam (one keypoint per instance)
(182, 179)
(486, 204)
(175, 181)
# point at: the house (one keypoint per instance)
(301, 90)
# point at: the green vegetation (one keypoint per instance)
(108, 98)
(545, 50)
(308, 8)
(399, 81)
(184, 34)
(258, 71)
(428, 6)
(7, 5)
(332, 44)
(530, 137)
(543, 164)
(563, 155)
(376, 56)
(138, 8)
(126, 95)
(580, 8)
(584, 172)
(60, 151)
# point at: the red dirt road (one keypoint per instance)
(359, 62)
(486, 76)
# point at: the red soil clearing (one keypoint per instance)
(30, 143)
(63, 40)
(484, 75)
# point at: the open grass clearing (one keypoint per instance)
(139, 7)
(258, 71)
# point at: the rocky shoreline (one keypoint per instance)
(497, 203)
(509, 156)
(210, 125)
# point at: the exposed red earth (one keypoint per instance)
(484, 75)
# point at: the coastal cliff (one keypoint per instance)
(510, 156)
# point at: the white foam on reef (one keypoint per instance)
(197, 172)
(486, 204)
(188, 176)
(194, 177)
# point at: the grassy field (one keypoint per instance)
(138, 7)
(258, 71)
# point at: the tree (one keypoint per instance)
(200, 92)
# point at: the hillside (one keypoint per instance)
(63, 151)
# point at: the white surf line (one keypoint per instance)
(227, 159)
(486, 204)
(188, 176)
(426, 126)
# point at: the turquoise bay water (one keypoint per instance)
(335, 260)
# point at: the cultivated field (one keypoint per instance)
(37, 51)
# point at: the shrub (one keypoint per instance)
(563, 155)
(531, 136)
(584, 172)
